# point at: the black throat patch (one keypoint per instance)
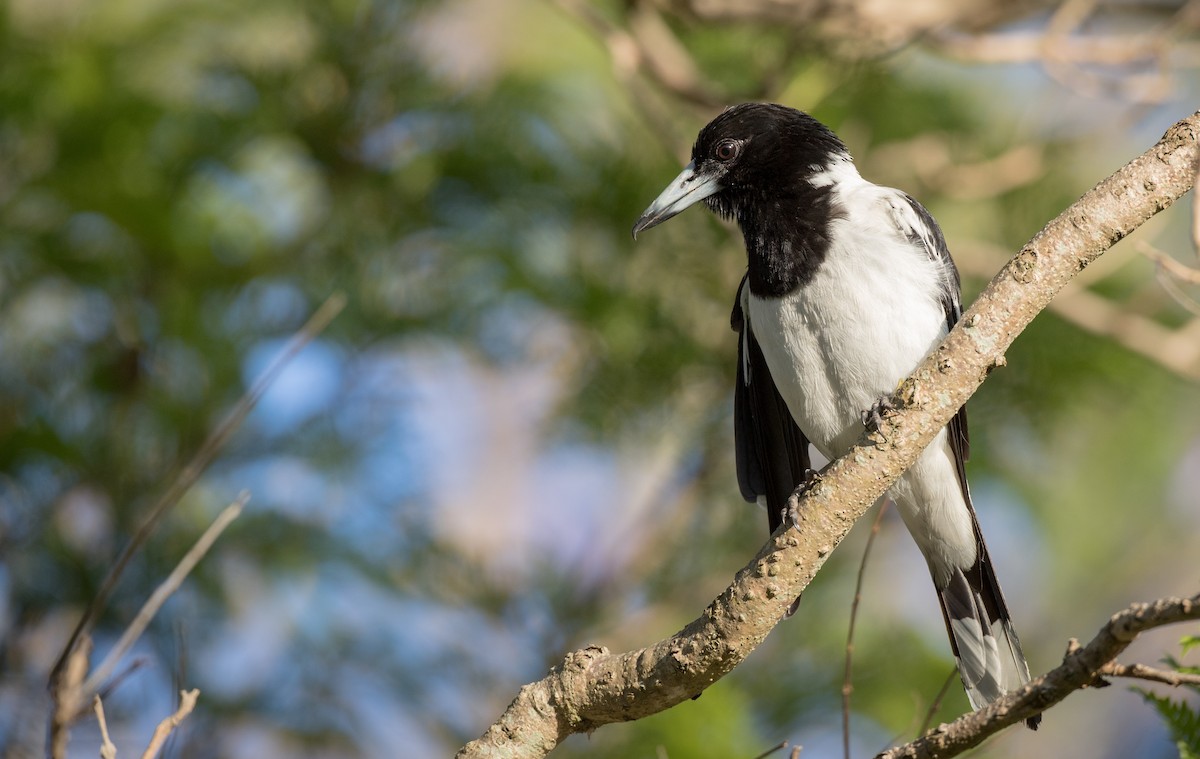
(787, 235)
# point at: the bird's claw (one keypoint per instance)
(872, 418)
(791, 512)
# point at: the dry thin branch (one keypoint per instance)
(1196, 218)
(777, 747)
(1069, 16)
(1142, 672)
(196, 466)
(847, 682)
(107, 749)
(1185, 301)
(163, 592)
(644, 49)
(649, 46)
(1026, 47)
(1134, 59)
(937, 701)
(1152, 88)
(65, 697)
(594, 687)
(668, 61)
(1166, 267)
(1080, 668)
(630, 57)
(116, 680)
(1164, 261)
(1134, 65)
(1176, 350)
(859, 28)
(187, 702)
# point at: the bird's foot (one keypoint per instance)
(791, 512)
(872, 418)
(795, 605)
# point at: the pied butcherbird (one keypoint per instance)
(849, 285)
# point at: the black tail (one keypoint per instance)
(985, 644)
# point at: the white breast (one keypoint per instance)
(868, 317)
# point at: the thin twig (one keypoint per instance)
(1164, 261)
(1026, 47)
(1170, 287)
(937, 701)
(199, 462)
(187, 702)
(163, 592)
(1165, 265)
(65, 695)
(1175, 349)
(847, 682)
(1143, 672)
(1196, 216)
(107, 749)
(648, 46)
(115, 682)
(628, 60)
(1071, 57)
(777, 747)
(668, 61)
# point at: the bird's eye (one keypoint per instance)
(726, 150)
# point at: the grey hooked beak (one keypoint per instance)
(689, 188)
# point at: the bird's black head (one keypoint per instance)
(750, 155)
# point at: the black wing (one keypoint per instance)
(979, 581)
(771, 451)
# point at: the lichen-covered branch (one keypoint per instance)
(594, 687)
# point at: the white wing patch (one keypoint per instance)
(744, 302)
(916, 227)
(909, 223)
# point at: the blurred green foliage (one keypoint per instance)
(516, 439)
(1181, 718)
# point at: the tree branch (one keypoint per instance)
(191, 471)
(847, 674)
(1081, 667)
(107, 749)
(594, 687)
(187, 703)
(164, 591)
(863, 28)
(1151, 674)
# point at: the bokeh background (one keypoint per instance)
(516, 438)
